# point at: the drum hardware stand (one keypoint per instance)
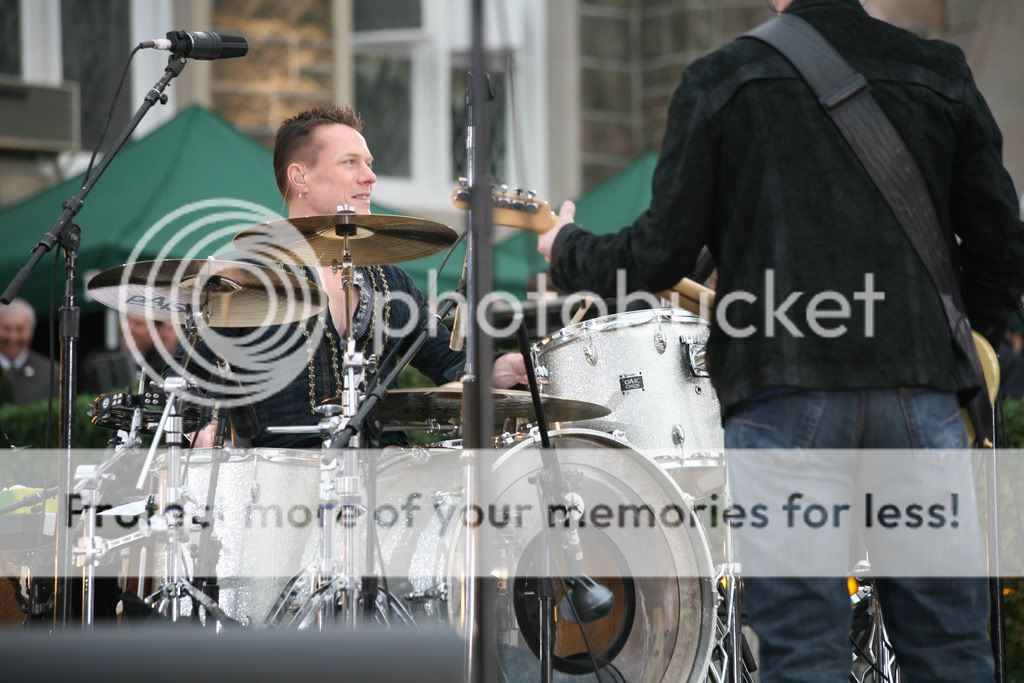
(585, 592)
(337, 431)
(732, 640)
(68, 235)
(171, 425)
(88, 480)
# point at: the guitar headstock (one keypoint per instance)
(516, 208)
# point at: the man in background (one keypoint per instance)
(27, 373)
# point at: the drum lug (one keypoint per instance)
(542, 373)
(506, 440)
(589, 352)
(660, 340)
(678, 435)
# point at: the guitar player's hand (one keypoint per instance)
(566, 214)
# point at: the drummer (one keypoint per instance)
(321, 161)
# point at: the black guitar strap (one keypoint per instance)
(844, 95)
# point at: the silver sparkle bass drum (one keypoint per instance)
(662, 624)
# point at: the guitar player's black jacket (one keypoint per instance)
(753, 167)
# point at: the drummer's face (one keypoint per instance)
(341, 172)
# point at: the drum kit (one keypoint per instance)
(632, 416)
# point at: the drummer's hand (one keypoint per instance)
(509, 370)
(567, 214)
(204, 437)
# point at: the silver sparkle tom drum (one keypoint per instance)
(649, 368)
(264, 518)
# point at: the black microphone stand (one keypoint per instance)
(481, 653)
(68, 235)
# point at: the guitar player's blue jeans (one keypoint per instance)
(938, 626)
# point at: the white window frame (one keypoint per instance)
(428, 189)
(42, 60)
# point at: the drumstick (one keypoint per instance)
(582, 310)
(692, 296)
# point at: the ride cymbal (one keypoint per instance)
(373, 239)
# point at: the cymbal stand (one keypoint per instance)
(343, 490)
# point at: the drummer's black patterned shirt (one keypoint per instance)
(312, 363)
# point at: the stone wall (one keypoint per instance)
(611, 87)
(633, 53)
(289, 68)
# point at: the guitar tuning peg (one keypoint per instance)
(463, 182)
(520, 192)
(503, 189)
(530, 194)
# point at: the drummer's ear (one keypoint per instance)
(297, 178)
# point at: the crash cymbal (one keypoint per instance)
(238, 294)
(374, 240)
(445, 403)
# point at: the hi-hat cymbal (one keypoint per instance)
(237, 294)
(374, 240)
(445, 403)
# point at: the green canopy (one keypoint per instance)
(185, 188)
(182, 190)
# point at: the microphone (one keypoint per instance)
(200, 45)
(586, 600)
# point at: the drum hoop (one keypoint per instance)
(614, 321)
(203, 456)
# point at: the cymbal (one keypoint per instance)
(374, 239)
(445, 403)
(239, 294)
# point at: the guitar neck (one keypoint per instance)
(513, 210)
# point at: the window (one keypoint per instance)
(95, 44)
(88, 41)
(410, 78)
(374, 15)
(384, 98)
(10, 37)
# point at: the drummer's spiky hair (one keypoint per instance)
(294, 134)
